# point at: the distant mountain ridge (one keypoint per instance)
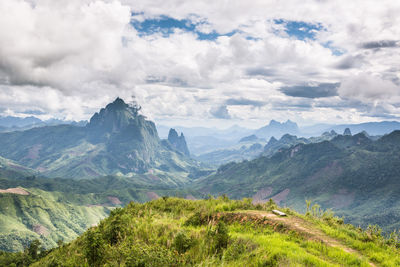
(277, 129)
(251, 147)
(372, 128)
(353, 174)
(11, 123)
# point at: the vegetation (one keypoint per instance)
(214, 232)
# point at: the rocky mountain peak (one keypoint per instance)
(178, 142)
(347, 131)
(115, 116)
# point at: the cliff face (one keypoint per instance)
(178, 142)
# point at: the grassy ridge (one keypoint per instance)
(215, 232)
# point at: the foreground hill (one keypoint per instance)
(353, 175)
(117, 140)
(216, 232)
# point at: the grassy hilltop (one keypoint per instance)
(215, 232)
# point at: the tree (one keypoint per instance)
(33, 249)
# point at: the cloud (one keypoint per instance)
(60, 43)
(350, 61)
(381, 44)
(260, 71)
(312, 90)
(367, 87)
(68, 58)
(220, 112)
(243, 102)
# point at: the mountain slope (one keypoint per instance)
(12, 170)
(117, 140)
(63, 208)
(28, 214)
(350, 174)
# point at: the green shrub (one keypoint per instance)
(115, 231)
(182, 242)
(238, 247)
(218, 237)
(198, 218)
(94, 247)
(141, 254)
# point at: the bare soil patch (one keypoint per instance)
(114, 200)
(281, 196)
(40, 230)
(190, 197)
(262, 195)
(331, 170)
(342, 199)
(17, 190)
(33, 152)
(152, 195)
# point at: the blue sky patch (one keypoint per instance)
(299, 29)
(167, 25)
(336, 51)
(307, 31)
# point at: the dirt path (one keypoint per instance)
(307, 229)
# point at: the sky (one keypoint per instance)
(203, 62)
